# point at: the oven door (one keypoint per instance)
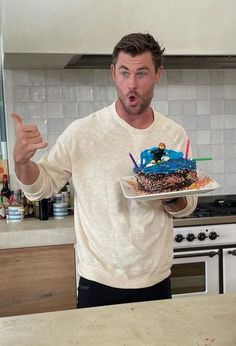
(195, 273)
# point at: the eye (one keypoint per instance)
(142, 74)
(124, 74)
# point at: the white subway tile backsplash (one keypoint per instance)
(174, 92)
(189, 92)
(189, 107)
(203, 76)
(53, 77)
(55, 126)
(84, 93)
(230, 121)
(217, 137)
(21, 108)
(85, 108)
(54, 93)
(203, 122)
(203, 137)
(54, 109)
(217, 166)
(217, 92)
(202, 100)
(175, 76)
(37, 110)
(69, 110)
(202, 92)
(216, 76)
(160, 93)
(189, 76)
(230, 91)
(230, 76)
(99, 77)
(21, 94)
(203, 107)
(36, 77)
(20, 77)
(230, 166)
(161, 106)
(69, 93)
(175, 107)
(229, 135)
(37, 94)
(103, 93)
(216, 106)
(230, 106)
(217, 122)
(217, 151)
(190, 122)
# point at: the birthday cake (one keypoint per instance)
(164, 170)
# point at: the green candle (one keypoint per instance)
(202, 158)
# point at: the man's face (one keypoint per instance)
(135, 79)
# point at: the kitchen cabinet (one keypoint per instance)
(37, 279)
(53, 31)
(229, 267)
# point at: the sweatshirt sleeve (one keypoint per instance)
(54, 171)
(190, 207)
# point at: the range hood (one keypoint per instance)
(103, 61)
(171, 62)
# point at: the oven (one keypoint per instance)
(195, 273)
(204, 260)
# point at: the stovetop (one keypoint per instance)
(211, 210)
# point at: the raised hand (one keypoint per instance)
(28, 140)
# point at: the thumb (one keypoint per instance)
(17, 119)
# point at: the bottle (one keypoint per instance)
(25, 204)
(5, 192)
(2, 209)
(43, 209)
(31, 208)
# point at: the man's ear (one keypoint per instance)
(112, 69)
(159, 73)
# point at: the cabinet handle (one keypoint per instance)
(233, 253)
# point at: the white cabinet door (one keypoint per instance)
(229, 267)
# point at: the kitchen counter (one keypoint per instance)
(198, 221)
(33, 232)
(197, 321)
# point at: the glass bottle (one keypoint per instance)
(5, 192)
(2, 209)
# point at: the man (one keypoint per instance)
(124, 246)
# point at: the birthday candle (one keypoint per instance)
(187, 149)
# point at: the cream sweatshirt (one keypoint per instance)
(121, 242)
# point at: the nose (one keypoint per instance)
(132, 82)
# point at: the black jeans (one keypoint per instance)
(91, 293)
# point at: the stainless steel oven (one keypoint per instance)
(205, 249)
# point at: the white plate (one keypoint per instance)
(129, 191)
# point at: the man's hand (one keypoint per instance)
(28, 140)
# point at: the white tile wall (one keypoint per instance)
(203, 101)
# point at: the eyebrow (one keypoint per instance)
(139, 69)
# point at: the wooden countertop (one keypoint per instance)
(197, 321)
(33, 232)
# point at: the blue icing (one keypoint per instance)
(165, 161)
(170, 166)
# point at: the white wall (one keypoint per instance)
(91, 26)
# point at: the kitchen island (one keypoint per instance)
(37, 266)
(196, 321)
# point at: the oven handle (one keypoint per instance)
(198, 254)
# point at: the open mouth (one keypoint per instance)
(133, 99)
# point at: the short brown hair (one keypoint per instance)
(138, 43)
